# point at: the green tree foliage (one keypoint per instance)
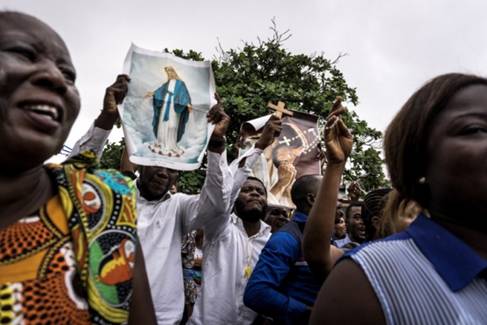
(191, 182)
(112, 153)
(249, 77)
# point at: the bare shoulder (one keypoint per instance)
(347, 298)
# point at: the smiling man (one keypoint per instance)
(355, 223)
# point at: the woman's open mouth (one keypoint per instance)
(46, 117)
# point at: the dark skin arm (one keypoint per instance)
(271, 130)
(114, 96)
(141, 307)
(217, 116)
(125, 164)
(347, 298)
(318, 252)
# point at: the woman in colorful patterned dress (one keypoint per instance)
(69, 252)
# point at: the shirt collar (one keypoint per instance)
(300, 217)
(264, 230)
(455, 261)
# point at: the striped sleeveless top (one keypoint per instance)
(425, 275)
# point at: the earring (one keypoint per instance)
(422, 180)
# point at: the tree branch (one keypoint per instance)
(340, 55)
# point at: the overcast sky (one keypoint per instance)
(393, 46)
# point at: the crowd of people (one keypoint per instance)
(82, 245)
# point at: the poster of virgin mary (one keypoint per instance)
(164, 112)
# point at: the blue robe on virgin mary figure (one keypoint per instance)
(181, 99)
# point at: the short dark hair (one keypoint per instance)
(302, 187)
(14, 16)
(11, 13)
(350, 206)
(253, 178)
(406, 136)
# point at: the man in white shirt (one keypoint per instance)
(163, 218)
(232, 244)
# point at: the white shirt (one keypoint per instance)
(162, 224)
(227, 252)
(161, 227)
(94, 140)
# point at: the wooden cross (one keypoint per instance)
(279, 109)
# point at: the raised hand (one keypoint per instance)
(354, 191)
(337, 109)
(338, 139)
(272, 129)
(217, 116)
(286, 172)
(114, 95)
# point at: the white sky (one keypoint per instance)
(393, 46)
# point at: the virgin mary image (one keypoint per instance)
(172, 105)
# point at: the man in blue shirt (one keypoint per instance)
(282, 286)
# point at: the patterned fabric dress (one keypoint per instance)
(72, 261)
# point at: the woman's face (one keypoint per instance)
(457, 155)
(38, 99)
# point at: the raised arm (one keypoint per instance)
(213, 201)
(242, 167)
(318, 251)
(214, 211)
(98, 133)
(141, 306)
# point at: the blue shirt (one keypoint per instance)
(341, 242)
(426, 275)
(282, 285)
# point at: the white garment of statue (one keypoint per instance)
(167, 131)
(229, 256)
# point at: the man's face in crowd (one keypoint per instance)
(38, 99)
(252, 201)
(276, 217)
(356, 226)
(340, 225)
(156, 181)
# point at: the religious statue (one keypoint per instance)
(172, 105)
